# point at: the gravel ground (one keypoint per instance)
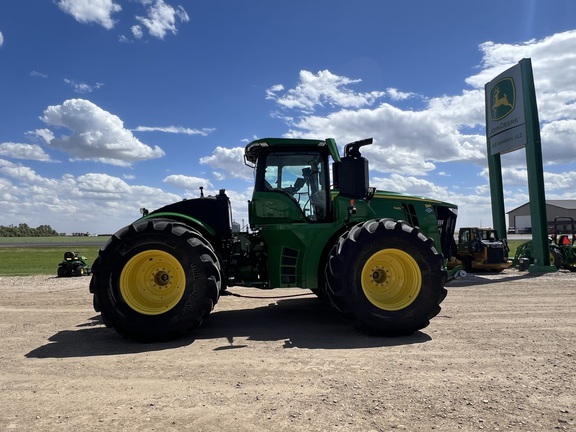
(500, 356)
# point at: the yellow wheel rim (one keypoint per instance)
(391, 279)
(152, 282)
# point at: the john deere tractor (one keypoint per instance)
(562, 247)
(380, 258)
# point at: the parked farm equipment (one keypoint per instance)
(561, 245)
(379, 257)
(73, 264)
(482, 249)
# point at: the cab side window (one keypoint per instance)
(300, 176)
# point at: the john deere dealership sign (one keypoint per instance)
(505, 123)
(512, 122)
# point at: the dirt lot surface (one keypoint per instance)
(500, 356)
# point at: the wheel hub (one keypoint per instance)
(379, 275)
(391, 279)
(152, 282)
(162, 278)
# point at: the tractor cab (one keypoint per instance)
(293, 179)
(562, 226)
(292, 182)
(296, 211)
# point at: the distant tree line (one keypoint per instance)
(23, 230)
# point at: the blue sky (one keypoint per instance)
(107, 106)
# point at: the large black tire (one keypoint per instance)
(156, 279)
(385, 278)
(556, 258)
(320, 292)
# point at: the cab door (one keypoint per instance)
(290, 188)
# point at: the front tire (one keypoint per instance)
(156, 279)
(385, 277)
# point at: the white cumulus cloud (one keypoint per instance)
(188, 183)
(229, 163)
(24, 151)
(91, 11)
(80, 87)
(449, 128)
(161, 18)
(96, 134)
(26, 196)
(322, 89)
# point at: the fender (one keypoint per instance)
(182, 217)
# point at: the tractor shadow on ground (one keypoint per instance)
(304, 322)
(94, 339)
(487, 278)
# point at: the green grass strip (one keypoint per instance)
(26, 261)
(34, 260)
(99, 240)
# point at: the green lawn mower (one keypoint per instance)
(73, 264)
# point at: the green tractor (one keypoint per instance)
(561, 245)
(564, 244)
(380, 258)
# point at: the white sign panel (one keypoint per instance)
(506, 125)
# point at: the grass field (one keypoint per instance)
(20, 257)
(24, 256)
(25, 261)
(10, 241)
(513, 244)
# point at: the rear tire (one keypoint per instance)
(556, 258)
(156, 279)
(385, 277)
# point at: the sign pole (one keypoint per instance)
(497, 195)
(540, 247)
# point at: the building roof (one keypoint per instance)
(565, 204)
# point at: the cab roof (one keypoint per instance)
(254, 148)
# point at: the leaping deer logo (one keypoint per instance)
(503, 98)
(500, 101)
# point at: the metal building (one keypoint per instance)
(519, 218)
